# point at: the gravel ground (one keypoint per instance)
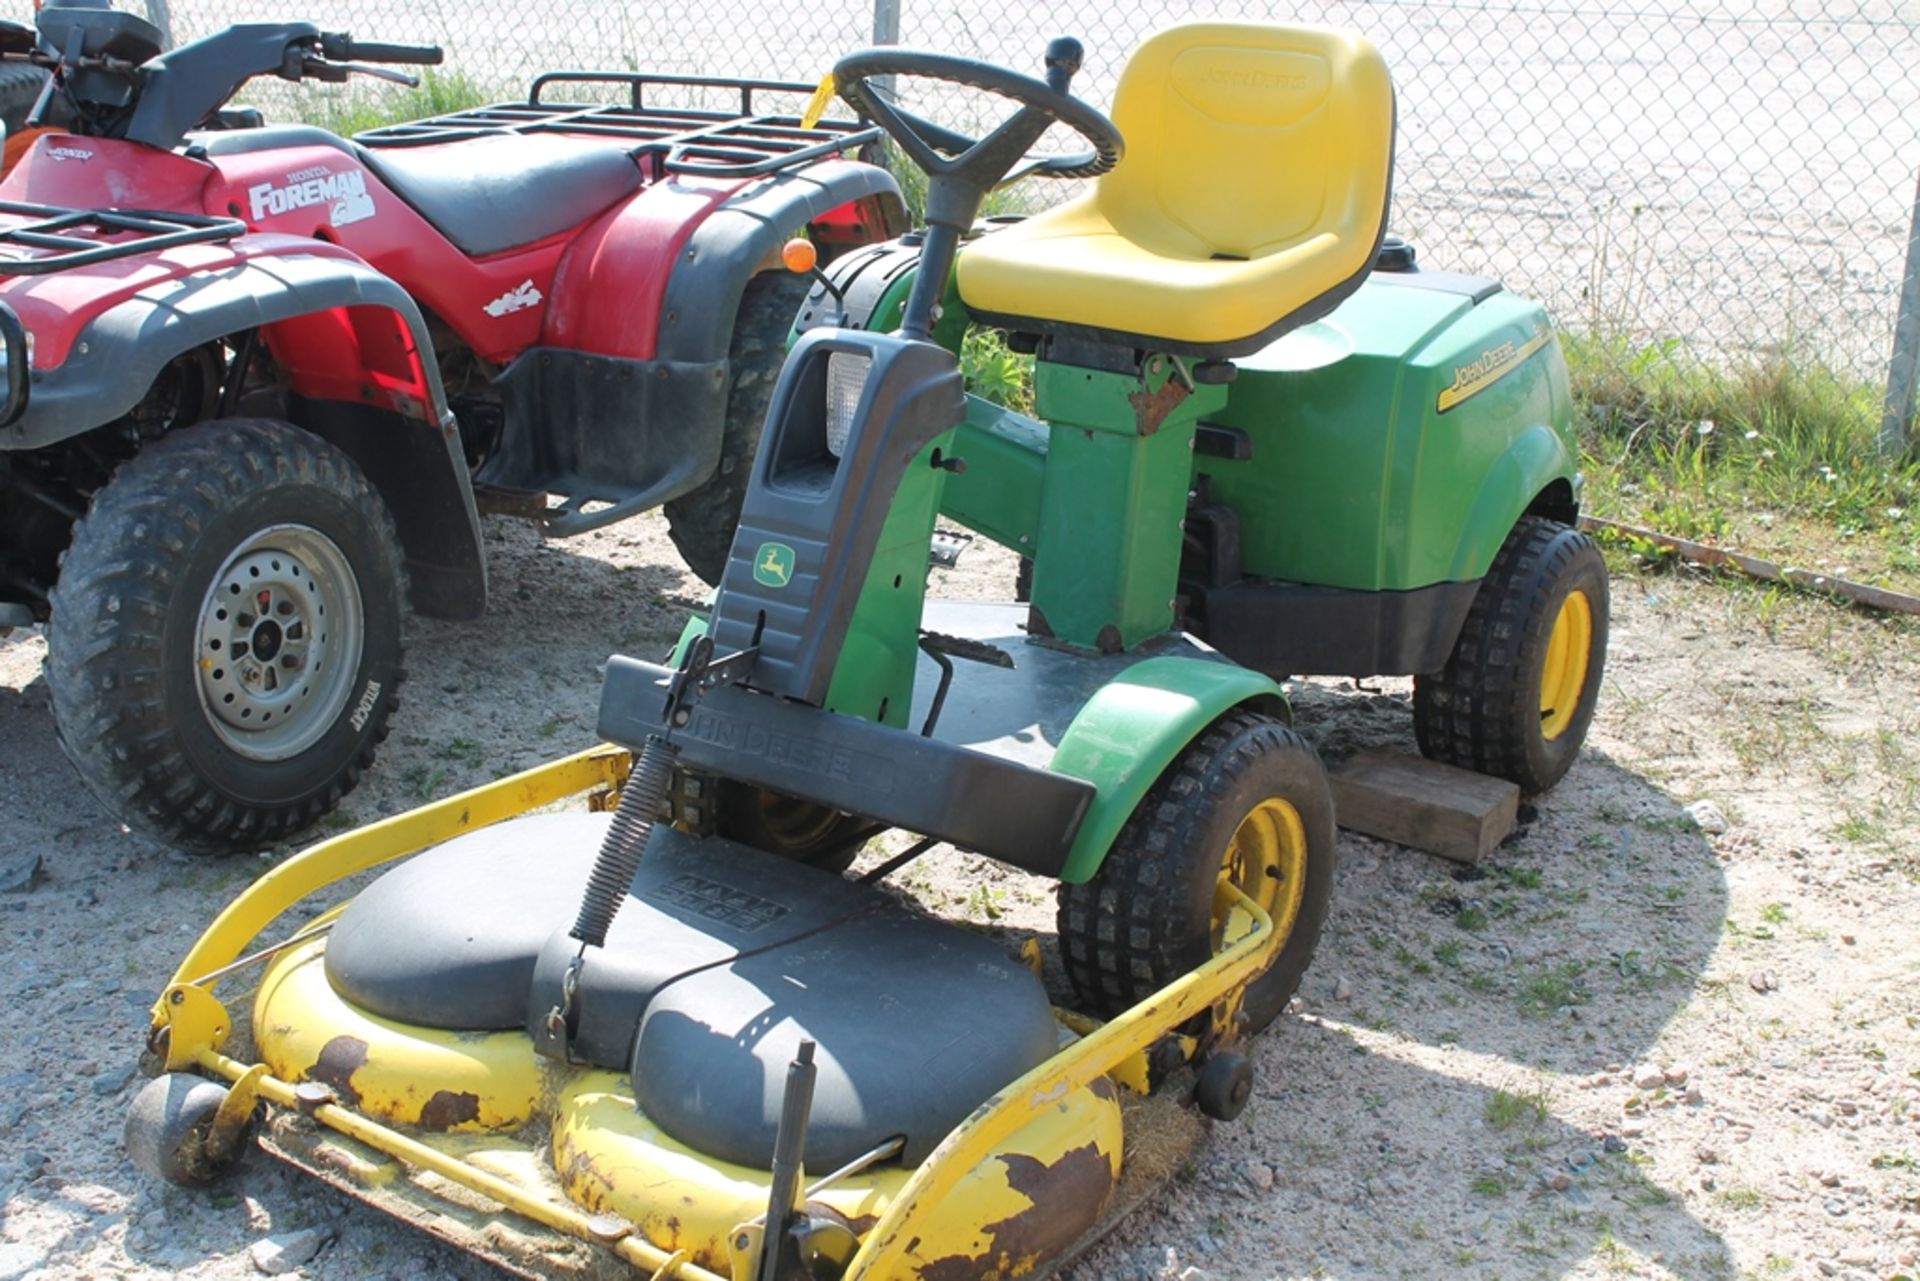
(1639, 1041)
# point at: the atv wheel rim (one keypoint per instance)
(1563, 676)
(279, 641)
(1267, 861)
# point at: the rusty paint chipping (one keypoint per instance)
(1151, 408)
(446, 1109)
(339, 1059)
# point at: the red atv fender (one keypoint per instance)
(613, 331)
(351, 342)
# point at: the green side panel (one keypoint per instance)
(1132, 729)
(1359, 478)
(1113, 500)
(998, 495)
(874, 676)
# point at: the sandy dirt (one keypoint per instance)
(1624, 1046)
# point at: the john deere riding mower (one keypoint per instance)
(674, 1037)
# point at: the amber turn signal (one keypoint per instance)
(799, 256)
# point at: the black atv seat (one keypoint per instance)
(486, 195)
(721, 962)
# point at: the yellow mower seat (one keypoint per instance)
(1252, 198)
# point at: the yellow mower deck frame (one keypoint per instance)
(190, 1027)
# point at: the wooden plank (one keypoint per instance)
(1413, 801)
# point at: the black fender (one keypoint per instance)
(703, 294)
(415, 460)
(862, 282)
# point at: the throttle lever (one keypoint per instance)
(380, 73)
(331, 72)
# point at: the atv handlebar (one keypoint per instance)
(340, 46)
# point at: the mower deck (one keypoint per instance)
(1162, 1134)
(585, 1165)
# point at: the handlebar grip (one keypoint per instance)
(425, 55)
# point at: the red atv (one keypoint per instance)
(256, 375)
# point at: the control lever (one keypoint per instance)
(380, 73)
(315, 67)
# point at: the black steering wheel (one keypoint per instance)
(984, 163)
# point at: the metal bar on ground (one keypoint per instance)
(1756, 567)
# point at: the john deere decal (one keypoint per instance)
(773, 565)
(1490, 367)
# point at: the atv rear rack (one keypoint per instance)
(53, 227)
(713, 144)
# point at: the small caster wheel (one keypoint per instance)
(1226, 1083)
(167, 1127)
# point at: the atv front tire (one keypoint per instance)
(1246, 803)
(20, 87)
(226, 635)
(1517, 694)
(701, 523)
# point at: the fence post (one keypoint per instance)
(886, 21)
(1905, 362)
(157, 14)
(886, 30)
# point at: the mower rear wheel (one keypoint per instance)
(226, 634)
(167, 1128)
(1517, 694)
(804, 831)
(1245, 805)
(701, 523)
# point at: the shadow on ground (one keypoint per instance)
(1411, 1118)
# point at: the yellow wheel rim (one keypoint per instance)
(1564, 674)
(1267, 861)
(795, 823)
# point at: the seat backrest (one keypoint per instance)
(1246, 138)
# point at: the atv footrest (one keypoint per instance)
(1003, 809)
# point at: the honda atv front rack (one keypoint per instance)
(700, 143)
(53, 229)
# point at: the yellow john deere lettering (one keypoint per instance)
(1489, 368)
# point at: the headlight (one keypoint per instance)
(846, 379)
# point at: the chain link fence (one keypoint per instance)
(1721, 181)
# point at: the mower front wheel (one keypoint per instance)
(804, 831)
(168, 1126)
(1517, 694)
(1245, 806)
(226, 634)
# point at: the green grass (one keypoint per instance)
(1553, 988)
(1506, 1111)
(349, 111)
(1488, 1185)
(1777, 457)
